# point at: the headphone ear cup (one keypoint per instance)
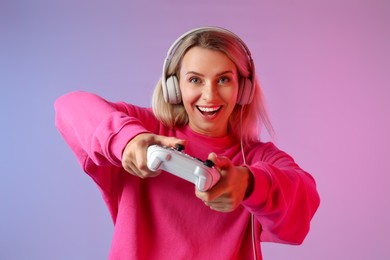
(173, 90)
(245, 92)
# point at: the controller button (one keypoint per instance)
(208, 163)
(179, 147)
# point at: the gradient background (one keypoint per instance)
(324, 67)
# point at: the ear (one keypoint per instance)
(173, 90)
(245, 92)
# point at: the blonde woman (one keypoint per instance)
(209, 101)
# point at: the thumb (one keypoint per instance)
(221, 162)
(213, 157)
(169, 141)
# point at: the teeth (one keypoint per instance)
(208, 109)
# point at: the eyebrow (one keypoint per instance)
(219, 74)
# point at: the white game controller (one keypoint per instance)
(175, 161)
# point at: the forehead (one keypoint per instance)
(200, 59)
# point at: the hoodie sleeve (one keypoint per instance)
(98, 130)
(284, 197)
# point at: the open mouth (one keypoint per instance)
(209, 111)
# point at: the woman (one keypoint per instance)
(208, 100)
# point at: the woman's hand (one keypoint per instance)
(134, 154)
(231, 189)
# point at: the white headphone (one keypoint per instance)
(170, 85)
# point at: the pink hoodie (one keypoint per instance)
(161, 218)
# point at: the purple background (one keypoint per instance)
(324, 67)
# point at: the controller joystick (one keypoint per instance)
(179, 147)
(209, 163)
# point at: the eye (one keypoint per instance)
(223, 80)
(195, 80)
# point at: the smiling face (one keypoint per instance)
(209, 87)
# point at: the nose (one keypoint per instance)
(210, 91)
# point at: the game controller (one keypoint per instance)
(176, 162)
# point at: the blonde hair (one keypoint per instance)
(251, 116)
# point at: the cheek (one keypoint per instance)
(189, 95)
(230, 95)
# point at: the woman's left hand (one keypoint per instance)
(229, 192)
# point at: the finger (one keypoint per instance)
(221, 207)
(144, 172)
(223, 199)
(213, 157)
(227, 206)
(201, 195)
(210, 195)
(221, 162)
(134, 170)
(169, 141)
(130, 168)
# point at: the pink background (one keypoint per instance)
(324, 67)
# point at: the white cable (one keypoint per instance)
(252, 217)
(241, 142)
(253, 237)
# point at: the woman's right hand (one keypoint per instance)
(134, 154)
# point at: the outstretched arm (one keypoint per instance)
(96, 129)
(106, 133)
(284, 206)
(272, 187)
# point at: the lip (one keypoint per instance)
(208, 109)
(209, 112)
